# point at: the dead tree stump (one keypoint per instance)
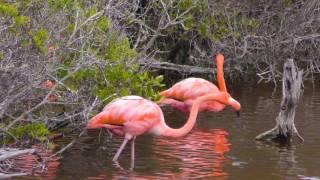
(292, 89)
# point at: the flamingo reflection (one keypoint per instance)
(28, 163)
(200, 152)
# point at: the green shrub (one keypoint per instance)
(119, 76)
(103, 24)
(40, 39)
(21, 20)
(184, 4)
(36, 131)
(118, 50)
(8, 10)
(59, 4)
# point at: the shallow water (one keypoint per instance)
(220, 146)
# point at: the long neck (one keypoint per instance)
(170, 132)
(220, 78)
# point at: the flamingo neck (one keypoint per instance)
(220, 76)
(215, 106)
(186, 128)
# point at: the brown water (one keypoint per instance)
(221, 146)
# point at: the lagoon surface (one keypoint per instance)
(221, 146)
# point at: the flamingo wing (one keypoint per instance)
(133, 113)
(190, 88)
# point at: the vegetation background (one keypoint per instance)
(62, 60)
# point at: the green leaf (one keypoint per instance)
(91, 11)
(40, 39)
(8, 10)
(103, 24)
(21, 20)
(185, 4)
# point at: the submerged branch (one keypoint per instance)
(6, 176)
(11, 153)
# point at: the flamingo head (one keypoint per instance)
(219, 58)
(234, 104)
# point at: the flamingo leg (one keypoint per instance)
(115, 158)
(109, 132)
(132, 152)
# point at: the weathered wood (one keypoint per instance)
(8, 153)
(11, 153)
(177, 67)
(7, 176)
(292, 88)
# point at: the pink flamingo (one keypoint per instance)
(132, 116)
(182, 94)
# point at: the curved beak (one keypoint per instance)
(234, 105)
(238, 114)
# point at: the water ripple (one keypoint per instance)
(200, 154)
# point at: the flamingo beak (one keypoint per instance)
(234, 105)
(238, 114)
